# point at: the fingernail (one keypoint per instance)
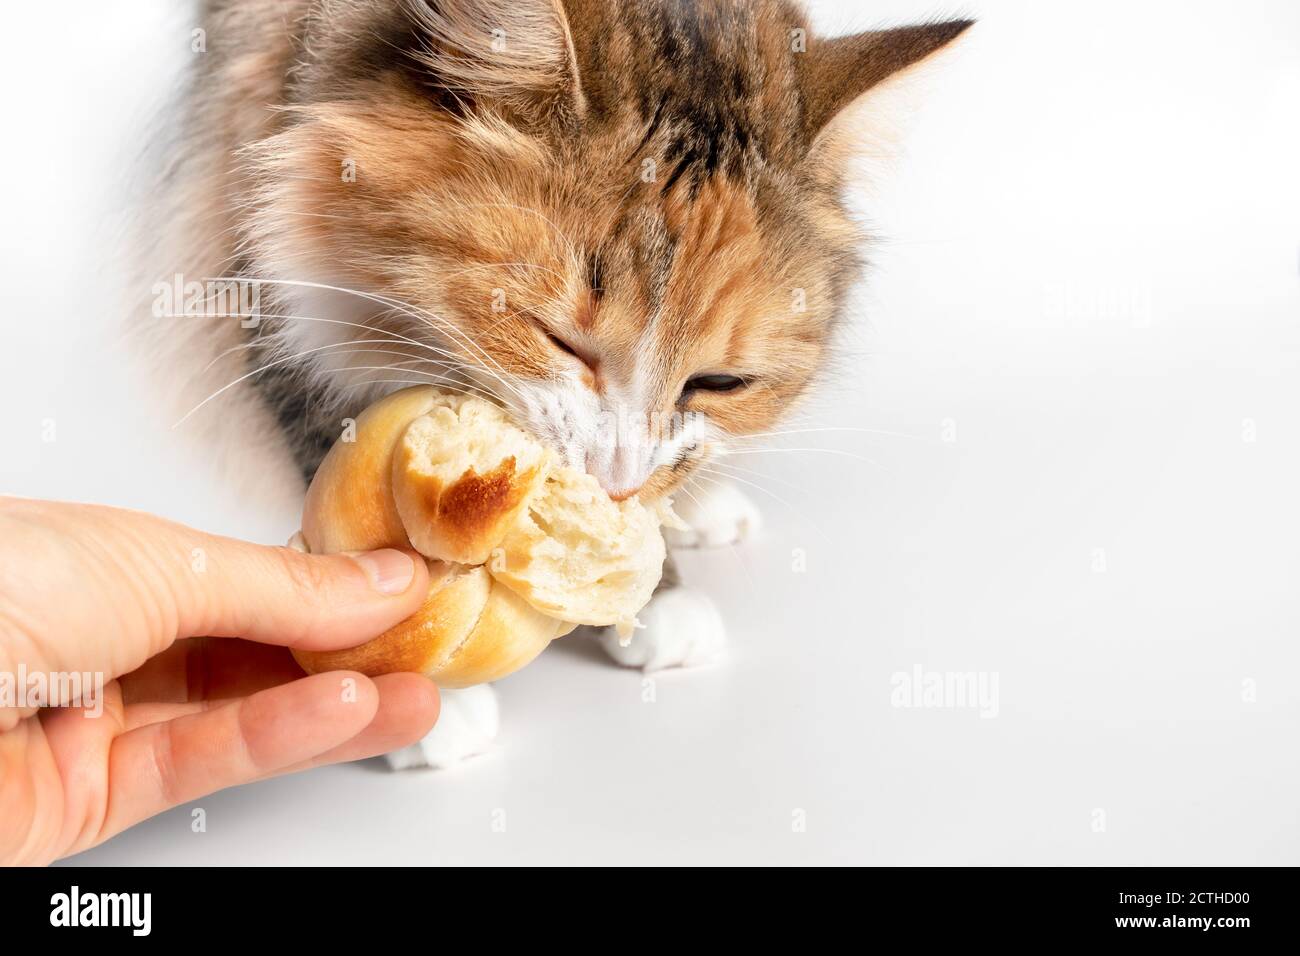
(389, 571)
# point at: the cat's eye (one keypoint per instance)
(560, 344)
(714, 383)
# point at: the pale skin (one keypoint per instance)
(191, 633)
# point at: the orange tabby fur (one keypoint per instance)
(653, 184)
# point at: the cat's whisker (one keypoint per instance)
(722, 477)
(451, 360)
(829, 451)
(445, 381)
(543, 306)
(430, 378)
(447, 367)
(716, 463)
(401, 381)
(505, 318)
(465, 336)
(831, 428)
(445, 374)
(280, 360)
(396, 338)
(254, 372)
(470, 361)
(405, 366)
(437, 322)
(415, 361)
(407, 308)
(731, 547)
(344, 348)
(390, 303)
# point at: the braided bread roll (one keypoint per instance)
(520, 549)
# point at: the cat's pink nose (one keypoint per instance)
(620, 473)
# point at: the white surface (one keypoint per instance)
(1092, 282)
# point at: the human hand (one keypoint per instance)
(190, 633)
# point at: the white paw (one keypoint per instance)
(718, 514)
(682, 628)
(466, 726)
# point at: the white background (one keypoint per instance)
(1089, 274)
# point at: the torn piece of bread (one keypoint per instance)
(577, 554)
(520, 548)
(462, 474)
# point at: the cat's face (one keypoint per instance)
(641, 265)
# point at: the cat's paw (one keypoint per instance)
(716, 515)
(681, 628)
(466, 726)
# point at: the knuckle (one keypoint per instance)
(312, 582)
(309, 576)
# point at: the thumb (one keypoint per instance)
(282, 596)
(138, 582)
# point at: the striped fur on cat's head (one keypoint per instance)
(622, 219)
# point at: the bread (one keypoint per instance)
(463, 473)
(520, 548)
(577, 554)
(350, 506)
(469, 630)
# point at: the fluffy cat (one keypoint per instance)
(621, 219)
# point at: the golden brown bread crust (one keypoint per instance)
(349, 506)
(453, 606)
(469, 630)
(508, 634)
(464, 520)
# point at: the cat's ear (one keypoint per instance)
(516, 54)
(838, 77)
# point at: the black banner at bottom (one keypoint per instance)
(1172, 906)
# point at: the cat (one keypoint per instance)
(586, 210)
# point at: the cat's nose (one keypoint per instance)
(618, 487)
(619, 473)
(622, 495)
